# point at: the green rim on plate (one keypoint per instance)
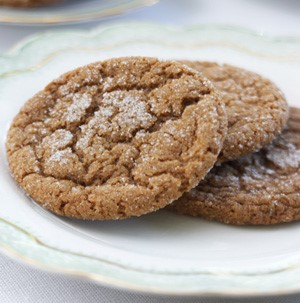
(22, 243)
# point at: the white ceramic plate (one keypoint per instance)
(70, 11)
(161, 252)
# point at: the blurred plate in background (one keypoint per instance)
(70, 11)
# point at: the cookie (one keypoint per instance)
(256, 109)
(118, 138)
(260, 188)
(27, 3)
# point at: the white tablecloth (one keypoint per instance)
(19, 283)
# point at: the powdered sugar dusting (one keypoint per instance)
(59, 139)
(80, 102)
(283, 157)
(61, 156)
(119, 115)
(132, 111)
(98, 124)
(107, 83)
(261, 167)
(83, 142)
(56, 145)
(65, 90)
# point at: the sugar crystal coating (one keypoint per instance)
(117, 138)
(260, 188)
(257, 110)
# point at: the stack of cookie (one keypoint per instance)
(128, 136)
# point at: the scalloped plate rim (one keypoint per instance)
(17, 50)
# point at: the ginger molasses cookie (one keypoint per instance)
(27, 3)
(260, 188)
(118, 138)
(256, 109)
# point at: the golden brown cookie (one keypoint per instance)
(260, 188)
(27, 3)
(256, 109)
(117, 138)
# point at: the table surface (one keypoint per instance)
(20, 283)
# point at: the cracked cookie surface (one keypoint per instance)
(117, 138)
(256, 109)
(260, 188)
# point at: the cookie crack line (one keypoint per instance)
(95, 105)
(117, 138)
(257, 110)
(55, 85)
(72, 145)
